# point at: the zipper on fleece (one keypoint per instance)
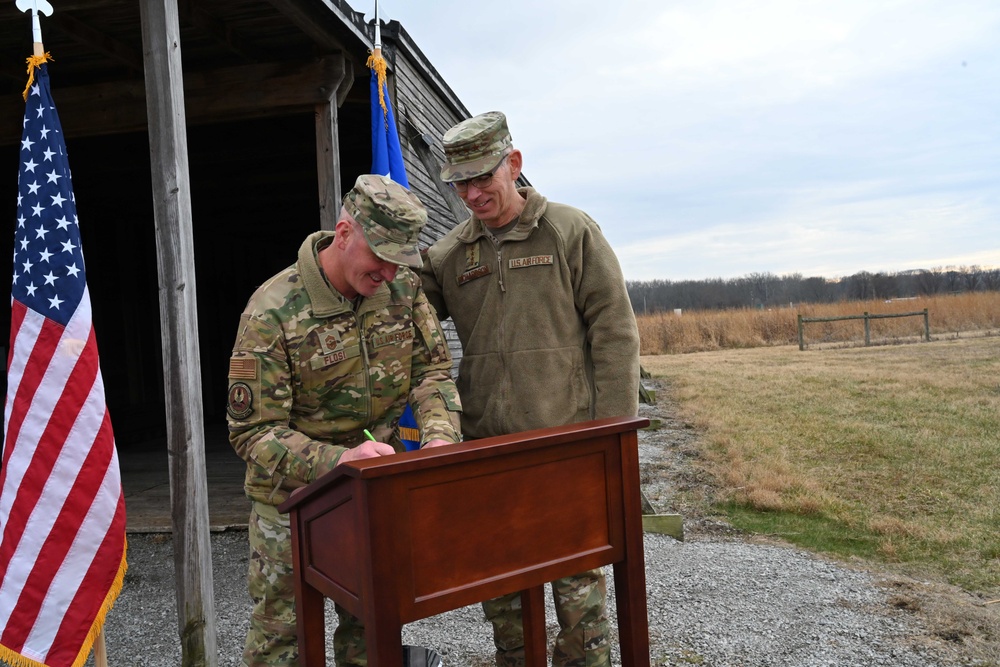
(503, 403)
(363, 336)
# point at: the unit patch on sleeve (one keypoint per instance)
(537, 260)
(240, 403)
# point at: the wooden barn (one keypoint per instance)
(277, 105)
(206, 141)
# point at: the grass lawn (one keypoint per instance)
(887, 453)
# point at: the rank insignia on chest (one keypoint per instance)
(329, 340)
(471, 256)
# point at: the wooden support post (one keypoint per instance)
(868, 330)
(802, 345)
(927, 326)
(328, 153)
(179, 325)
(328, 164)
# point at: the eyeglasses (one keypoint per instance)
(482, 181)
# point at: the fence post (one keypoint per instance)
(927, 326)
(868, 331)
(801, 341)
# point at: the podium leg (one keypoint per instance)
(311, 625)
(533, 620)
(633, 622)
(383, 640)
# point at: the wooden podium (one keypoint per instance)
(400, 538)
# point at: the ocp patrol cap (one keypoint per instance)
(475, 146)
(390, 216)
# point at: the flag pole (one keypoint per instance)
(377, 63)
(38, 56)
(35, 6)
(100, 651)
(387, 160)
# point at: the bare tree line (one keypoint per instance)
(764, 290)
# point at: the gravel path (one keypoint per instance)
(711, 602)
(715, 599)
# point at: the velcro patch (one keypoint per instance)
(243, 368)
(537, 260)
(392, 338)
(329, 340)
(343, 354)
(472, 256)
(477, 272)
(240, 401)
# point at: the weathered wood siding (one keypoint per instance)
(425, 108)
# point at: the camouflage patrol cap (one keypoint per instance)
(391, 217)
(475, 146)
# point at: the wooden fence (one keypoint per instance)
(867, 317)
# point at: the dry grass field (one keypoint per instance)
(888, 453)
(700, 331)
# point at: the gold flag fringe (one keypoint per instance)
(33, 62)
(377, 62)
(109, 601)
(15, 659)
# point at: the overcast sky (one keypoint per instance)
(718, 138)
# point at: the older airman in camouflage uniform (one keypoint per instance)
(548, 339)
(334, 344)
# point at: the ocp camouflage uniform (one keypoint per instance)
(583, 637)
(308, 373)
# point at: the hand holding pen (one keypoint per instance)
(370, 448)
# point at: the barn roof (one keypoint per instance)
(255, 74)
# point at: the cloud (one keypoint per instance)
(823, 233)
(720, 137)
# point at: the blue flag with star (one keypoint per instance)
(387, 157)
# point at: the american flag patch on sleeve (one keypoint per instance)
(243, 368)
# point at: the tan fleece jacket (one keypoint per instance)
(546, 327)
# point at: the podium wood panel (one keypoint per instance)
(399, 538)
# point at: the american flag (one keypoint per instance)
(62, 511)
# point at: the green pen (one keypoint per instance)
(369, 435)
